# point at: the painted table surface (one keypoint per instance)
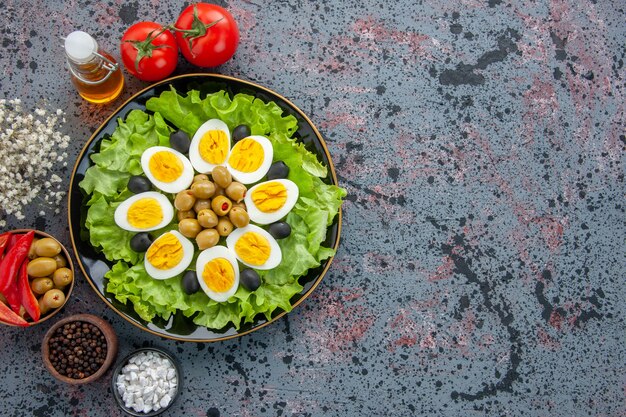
(482, 263)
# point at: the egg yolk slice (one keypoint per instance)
(144, 213)
(166, 252)
(165, 166)
(253, 248)
(270, 197)
(247, 155)
(213, 147)
(218, 275)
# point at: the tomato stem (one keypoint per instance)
(144, 48)
(198, 29)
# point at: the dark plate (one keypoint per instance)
(94, 265)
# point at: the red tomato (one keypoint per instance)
(149, 52)
(207, 34)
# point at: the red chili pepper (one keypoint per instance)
(11, 294)
(26, 296)
(4, 239)
(13, 297)
(224, 206)
(13, 260)
(7, 316)
(13, 238)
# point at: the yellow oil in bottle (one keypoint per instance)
(94, 73)
(96, 83)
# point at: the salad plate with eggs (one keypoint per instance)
(205, 208)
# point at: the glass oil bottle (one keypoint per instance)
(95, 74)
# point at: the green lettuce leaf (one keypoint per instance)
(108, 236)
(190, 111)
(212, 314)
(328, 198)
(104, 181)
(269, 297)
(148, 296)
(287, 149)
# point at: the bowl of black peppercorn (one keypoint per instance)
(79, 349)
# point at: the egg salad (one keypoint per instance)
(207, 215)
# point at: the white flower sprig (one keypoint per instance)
(31, 147)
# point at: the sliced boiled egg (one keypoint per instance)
(218, 273)
(167, 169)
(169, 255)
(210, 146)
(144, 212)
(254, 247)
(270, 201)
(250, 159)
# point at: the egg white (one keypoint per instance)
(276, 254)
(121, 212)
(254, 176)
(181, 183)
(205, 257)
(196, 159)
(188, 251)
(261, 217)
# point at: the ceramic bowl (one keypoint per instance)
(118, 370)
(67, 290)
(111, 344)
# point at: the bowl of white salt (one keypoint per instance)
(146, 382)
